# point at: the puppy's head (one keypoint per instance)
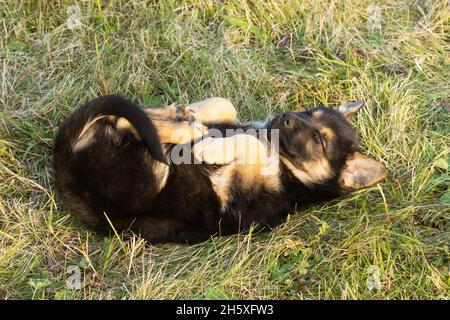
(319, 146)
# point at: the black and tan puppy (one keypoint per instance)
(114, 165)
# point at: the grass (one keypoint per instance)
(267, 57)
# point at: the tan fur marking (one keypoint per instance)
(312, 172)
(169, 131)
(169, 113)
(327, 132)
(161, 171)
(243, 149)
(221, 182)
(178, 132)
(112, 119)
(213, 110)
(86, 135)
(124, 124)
(317, 114)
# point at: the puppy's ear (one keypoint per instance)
(350, 108)
(361, 171)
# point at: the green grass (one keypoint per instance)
(267, 57)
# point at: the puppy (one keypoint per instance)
(117, 165)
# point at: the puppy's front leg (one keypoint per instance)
(244, 150)
(169, 131)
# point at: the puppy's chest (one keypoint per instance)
(234, 182)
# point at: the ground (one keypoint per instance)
(390, 241)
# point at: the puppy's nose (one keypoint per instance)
(288, 119)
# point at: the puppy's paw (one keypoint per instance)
(186, 132)
(199, 129)
(213, 151)
(184, 114)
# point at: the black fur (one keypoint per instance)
(114, 176)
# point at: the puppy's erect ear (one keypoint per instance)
(350, 108)
(361, 171)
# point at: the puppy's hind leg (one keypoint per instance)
(213, 110)
(169, 113)
(169, 131)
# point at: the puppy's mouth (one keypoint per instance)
(283, 150)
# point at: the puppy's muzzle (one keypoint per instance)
(288, 121)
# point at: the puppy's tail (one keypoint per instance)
(78, 130)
